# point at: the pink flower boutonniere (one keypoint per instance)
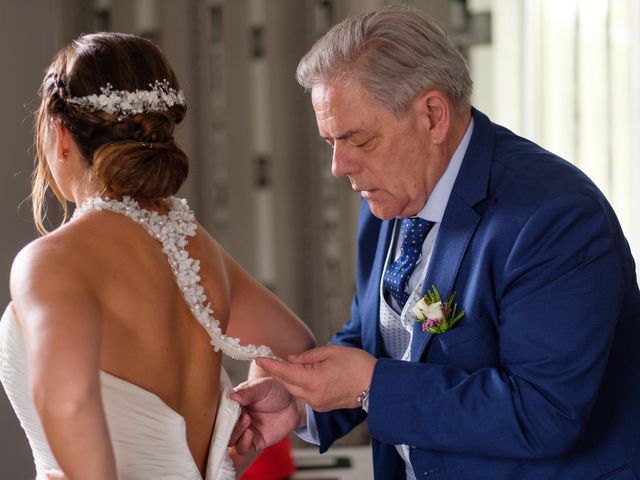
(435, 316)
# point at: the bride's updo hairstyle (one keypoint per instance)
(132, 153)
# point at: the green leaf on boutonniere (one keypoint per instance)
(436, 317)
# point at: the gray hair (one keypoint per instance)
(396, 53)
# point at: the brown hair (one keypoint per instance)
(132, 156)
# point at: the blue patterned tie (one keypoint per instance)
(412, 233)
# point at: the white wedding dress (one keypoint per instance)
(148, 437)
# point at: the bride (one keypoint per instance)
(110, 352)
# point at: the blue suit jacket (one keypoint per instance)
(541, 377)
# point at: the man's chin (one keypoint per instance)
(390, 212)
(381, 212)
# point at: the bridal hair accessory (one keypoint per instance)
(160, 97)
(436, 317)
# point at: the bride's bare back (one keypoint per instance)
(143, 310)
(149, 335)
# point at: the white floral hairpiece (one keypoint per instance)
(124, 103)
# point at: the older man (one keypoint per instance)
(522, 361)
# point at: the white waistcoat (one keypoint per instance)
(396, 330)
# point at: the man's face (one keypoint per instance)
(384, 157)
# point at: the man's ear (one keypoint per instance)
(436, 108)
(63, 139)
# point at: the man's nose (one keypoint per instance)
(341, 164)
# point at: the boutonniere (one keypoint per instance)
(435, 316)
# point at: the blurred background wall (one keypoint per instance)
(565, 73)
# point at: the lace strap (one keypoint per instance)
(172, 231)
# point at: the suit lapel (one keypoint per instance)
(456, 230)
(460, 220)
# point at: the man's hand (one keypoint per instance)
(269, 414)
(326, 377)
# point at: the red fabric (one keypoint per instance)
(274, 463)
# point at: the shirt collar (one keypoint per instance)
(436, 204)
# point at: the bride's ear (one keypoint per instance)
(63, 140)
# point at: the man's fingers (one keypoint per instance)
(242, 395)
(244, 445)
(286, 372)
(247, 393)
(315, 355)
(243, 423)
(298, 391)
(242, 385)
(299, 380)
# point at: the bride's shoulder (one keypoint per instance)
(65, 239)
(57, 256)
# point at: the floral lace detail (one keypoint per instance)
(172, 231)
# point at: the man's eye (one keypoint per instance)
(363, 144)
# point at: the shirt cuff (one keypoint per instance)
(309, 433)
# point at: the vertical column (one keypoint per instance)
(330, 298)
(175, 28)
(102, 15)
(30, 33)
(593, 94)
(261, 117)
(497, 73)
(623, 28)
(334, 206)
(122, 16)
(290, 167)
(558, 69)
(215, 182)
(230, 79)
(532, 85)
(146, 19)
(634, 28)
